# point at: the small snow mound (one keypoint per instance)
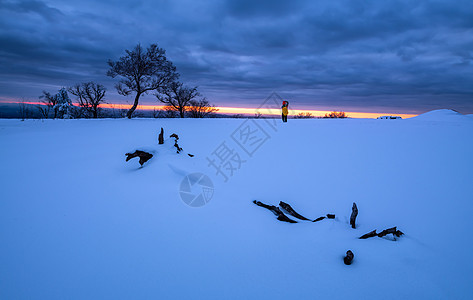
(441, 115)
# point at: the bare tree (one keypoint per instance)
(23, 109)
(142, 71)
(302, 115)
(50, 101)
(178, 96)
(117, 112)
(156, 113)
(165, 112)
(43, 110)
(89, 96)
(201, 108)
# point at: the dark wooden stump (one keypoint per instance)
(161, 137)
(330, 216)
(348, 258)
(354, 213)
(144, 156)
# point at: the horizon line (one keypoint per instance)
(245, 110)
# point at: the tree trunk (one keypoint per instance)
(135, 104)
(181, 113)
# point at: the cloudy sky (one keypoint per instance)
(352, 55)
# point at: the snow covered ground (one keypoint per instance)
(78, 222)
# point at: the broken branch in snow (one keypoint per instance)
(144, 156)
(385, 232)
(291, 211)
(393, 230)
(176, 137)
(369, 234)
(348, 258)
(281, 216)
(354, 213)
(329, 216)
(179, 149)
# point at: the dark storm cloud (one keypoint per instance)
(36, 7)
(410, 56)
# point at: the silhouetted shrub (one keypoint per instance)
(336, 114)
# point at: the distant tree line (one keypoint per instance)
(332, 115)
(140, 71)
(336, 115)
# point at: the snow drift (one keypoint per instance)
(441, 115)
(78, 222)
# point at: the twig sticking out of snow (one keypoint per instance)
(176, 137)
(348, 258)
(179, 149)
(354, 213)
(144, 156)
(281, 216)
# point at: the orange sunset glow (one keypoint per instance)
(274, 112)
(251, 111)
